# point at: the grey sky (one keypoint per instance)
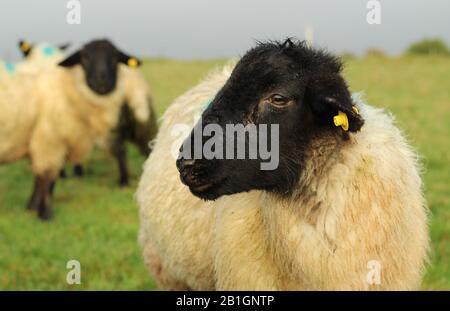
(221, 28)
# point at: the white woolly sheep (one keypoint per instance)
(43, 54)
(344, 210)
(38, 56)
(59, 113)
(137, 120)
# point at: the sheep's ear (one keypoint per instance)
(128, 60)
(64, 47)
(25, 47)
(72, 60)
(332, 104)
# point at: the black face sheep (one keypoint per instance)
(60, 113)
(337, 204)
(137, 121)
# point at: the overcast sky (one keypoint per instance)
(190, 29)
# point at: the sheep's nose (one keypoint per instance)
(185, 163)
(103, 77)
(211, 119)
(188, 163)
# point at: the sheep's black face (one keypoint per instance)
(99, 60)
(288, 89)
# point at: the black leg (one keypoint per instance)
(119, 150)
(62, 173)
(123, 170)
(78, 170)
(33, 202)
(45, 211)
(52, 188)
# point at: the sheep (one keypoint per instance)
(37, 56)
(137, 120)
(43, 54)
(59, 113)
(342, 210)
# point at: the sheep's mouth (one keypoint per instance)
(206, 190)
(202, 180)
(103, 90)
(201, 187)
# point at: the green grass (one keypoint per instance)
(96, 222)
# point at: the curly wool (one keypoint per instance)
(357, 202)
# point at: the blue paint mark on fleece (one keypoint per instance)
(207, 103)
(48, 51)
(357, 97)
(10, 67)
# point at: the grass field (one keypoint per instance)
(96, 222)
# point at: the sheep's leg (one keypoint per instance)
(52, 188)
(45, 186)
(33, 202)
(78, 170)
(119, 150)
(123, 169)
(48, 155)
(62, 173)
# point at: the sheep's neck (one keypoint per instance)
(98, 113)
(289, 220)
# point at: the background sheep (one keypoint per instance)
(137, 121)
(339, 201)
(60, 113)
(38, 57)
(136, 124)
(43, 53)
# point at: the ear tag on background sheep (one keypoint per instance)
(133, 62)
(341, 120)
(25, 47)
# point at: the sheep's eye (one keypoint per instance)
(278, 100)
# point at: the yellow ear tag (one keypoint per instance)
(25, 47)
(341, 120)
(355, 109)
(133, 63)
